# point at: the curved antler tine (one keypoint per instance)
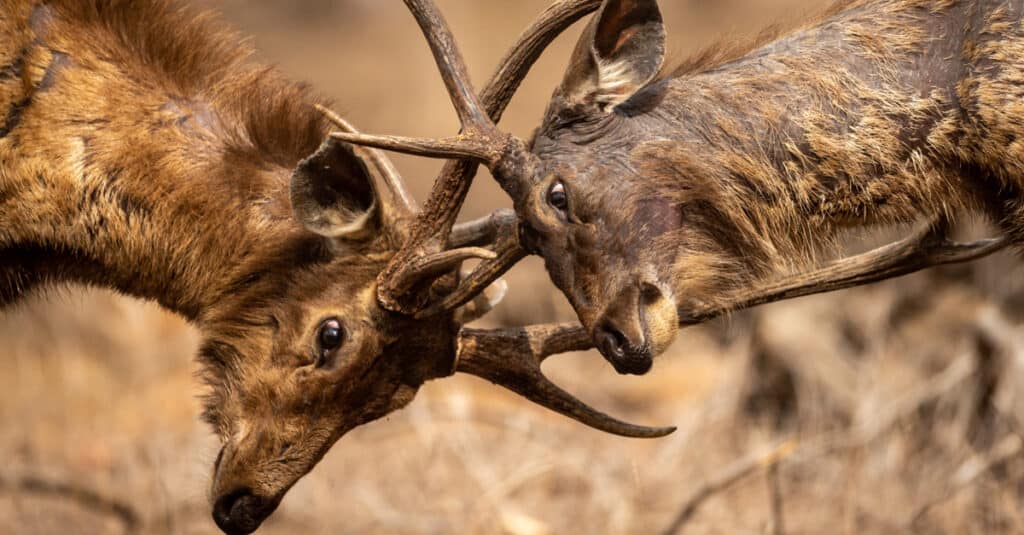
(380, 163)
(450, 63)
(511, 358)
(501, 231)
(524, 53)
(489, 271)
(428, 267)
(501, 223)
(462, 146)
(929, 247)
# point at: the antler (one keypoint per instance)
(480, 141)
(399, 286)
(512, 358)
(929, 247)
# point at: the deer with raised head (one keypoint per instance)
(141, 151)
(656, 194)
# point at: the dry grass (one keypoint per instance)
(895, 404)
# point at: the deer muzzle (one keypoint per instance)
(639, 324)
(241, 512)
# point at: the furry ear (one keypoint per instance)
(332, 193)
(620, 52)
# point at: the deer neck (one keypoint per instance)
(117, 174)
(853, 123)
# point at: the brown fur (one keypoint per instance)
(728, 50)
(737, 166)
(140, 150)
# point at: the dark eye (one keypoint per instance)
(557, 197)
(330, 336)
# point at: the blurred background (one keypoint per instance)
(888, 409)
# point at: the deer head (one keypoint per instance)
(295, 361)
(634, 264)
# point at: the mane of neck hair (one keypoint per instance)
(829, 128)
(143, 150)
(731, 48)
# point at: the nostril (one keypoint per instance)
(229, 511)
(650, 293)
(611, 342)
(622, 353)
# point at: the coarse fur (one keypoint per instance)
(685, 184)
(141, 150)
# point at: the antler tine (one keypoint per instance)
(477, 147)
(929, 247)
(511, 358)
(501, 230)
(481, 141)
(480, 138)
(452, 185)
(450, 63)
(486, 230)
(524, 53)
(381, 163)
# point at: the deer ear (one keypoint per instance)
(621, 51)
(332, 193)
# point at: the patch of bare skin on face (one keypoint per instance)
(194, 118)
(37, 76)
(40, 19)
(38, 66)
(58, 63)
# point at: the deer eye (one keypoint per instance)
(557, 196)
(329, 337)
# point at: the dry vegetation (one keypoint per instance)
(890, 409)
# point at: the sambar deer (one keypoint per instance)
(141, 150)
(655, 193)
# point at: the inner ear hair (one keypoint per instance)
(332, 193)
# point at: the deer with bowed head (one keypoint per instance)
(140, 150)
(656, 194)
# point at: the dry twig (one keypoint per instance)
(726, 478)
(775, 496)
(968, 473)
(863, 433)
(84, 497)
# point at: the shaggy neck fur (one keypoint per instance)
(140, 150)
(873, 117)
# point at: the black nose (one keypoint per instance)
(624, 355)
(241, 512)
